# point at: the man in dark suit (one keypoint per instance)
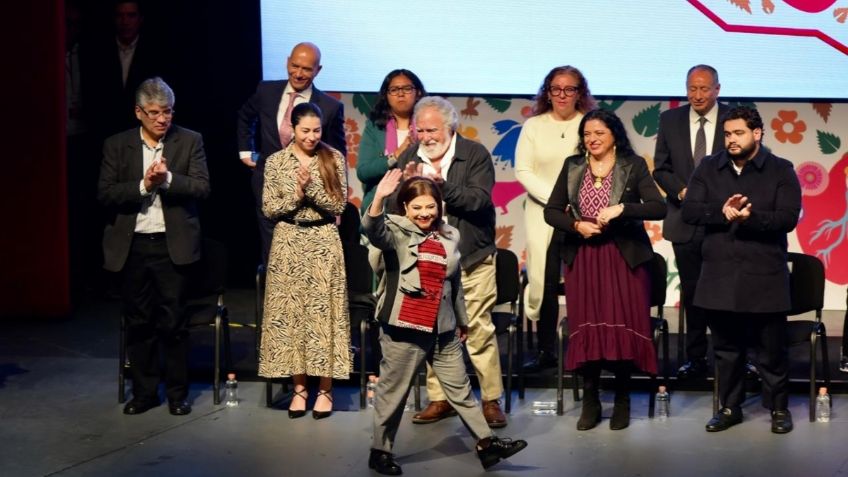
(264, 122)
(748, 200)
(115, 68)
(678, 150)
(150, 180)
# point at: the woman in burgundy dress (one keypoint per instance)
(600, 199)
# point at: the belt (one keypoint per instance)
(307, 223)
(156, 236)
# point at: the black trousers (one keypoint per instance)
(688, 258)
(549, 309)
(153, 292)
(732, 334)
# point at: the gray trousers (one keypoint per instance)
(403, 353)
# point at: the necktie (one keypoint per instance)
(286, 132)
(700, 142)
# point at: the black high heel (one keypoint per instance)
(302, 412)
(322, 414)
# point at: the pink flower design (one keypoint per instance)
(813, 178)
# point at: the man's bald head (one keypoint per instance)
(303, 65)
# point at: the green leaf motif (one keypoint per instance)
(647, 121)
(611, 106)
(828, 143)
(364, 103)
(498, 104)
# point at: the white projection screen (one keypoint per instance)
(761, 48)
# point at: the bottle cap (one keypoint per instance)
(822, 391)
(231, 376)
(662, 389)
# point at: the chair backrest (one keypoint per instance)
(806, 283)
(209, 275)
(360, 277)
(506, 276)
(659, 277)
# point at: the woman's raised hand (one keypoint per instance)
(388, 183)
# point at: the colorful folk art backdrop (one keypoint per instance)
(814, 136)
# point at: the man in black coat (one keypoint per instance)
(682, 142)
(264, 126)
(150, 181)
(747, 199)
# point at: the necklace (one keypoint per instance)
(599, 178)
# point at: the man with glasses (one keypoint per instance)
(150, 181)
(264, 122)
(466, 174)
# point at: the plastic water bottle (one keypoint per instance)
(371, 390)
(823, 405)
(544, 408)
(663, 401)
(231, 390)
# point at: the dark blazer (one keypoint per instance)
(631, 185)
(257, 126)
(118, 190)
(744, 264)
(673, 165)
(110, 102)
(467, 193)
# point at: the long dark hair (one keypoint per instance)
(585, 101)
(622, 144)
(381, 112)
(326, 159)
(418, 186)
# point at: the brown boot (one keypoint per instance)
(434, 412)
(495, 418)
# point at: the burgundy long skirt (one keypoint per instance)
(608, 307)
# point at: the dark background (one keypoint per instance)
(213, 50)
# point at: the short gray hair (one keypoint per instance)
(443, 106)
(154, 90)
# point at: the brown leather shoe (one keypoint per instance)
(495, 418)
(434, 412)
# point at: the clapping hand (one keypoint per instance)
(303, 178)
(736, 208)
(156, 174)
(413, 169)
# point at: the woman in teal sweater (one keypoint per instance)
(388, 131)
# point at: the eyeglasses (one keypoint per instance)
(153, 115)
(399, 90)
(568, 90)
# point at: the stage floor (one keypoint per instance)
(60, 416)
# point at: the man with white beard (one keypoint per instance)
(465, 172)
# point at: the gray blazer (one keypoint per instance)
(118, 191)
(393, 255)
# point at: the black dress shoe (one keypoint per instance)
(781, 422)
(696, 368)
(724, 419)
(542, 360)
(322, 414)
(138, 406)
(179, 408)
(383, 462)
(492, 450)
